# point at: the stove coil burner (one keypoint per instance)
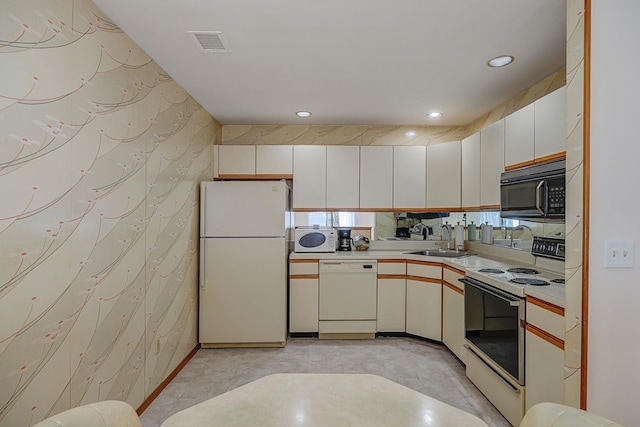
(523, 270)
(532, 282)
(561, 281)
(490, 271)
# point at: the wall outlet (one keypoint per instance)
(618, 253)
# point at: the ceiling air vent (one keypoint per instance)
(209, 41)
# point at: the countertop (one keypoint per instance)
(554, 293)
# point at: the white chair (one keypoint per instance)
(555, 415)
(108, 413)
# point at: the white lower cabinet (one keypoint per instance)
(391, 295)
(544, 353)
(424, 299)
(303, 296)
(453, 311)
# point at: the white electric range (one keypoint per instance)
(517, 280)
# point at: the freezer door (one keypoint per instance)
(243, 290)
(243, 208)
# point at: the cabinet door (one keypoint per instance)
(453, 319)
(274, 160)
(544, 370)
(309, 176)
(443, 176)
(471, 171)
(343, 177)
(303, 305)
(391, 305)
(550, 125)
(519, 137)
(216, 156)
(236, 160)
(376, 177)
(409, 177)
(424, 309)
(491, 163)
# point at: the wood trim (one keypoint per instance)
(455, 270)
(274, 176)
(166, 381)
(424, 279)
(444, 209)
(304, 276)
(519, 165)
(545, 305)
(586, 200)
(551, 157)
(489, 208)
(391, 276)
(472, 208)
(453, 287)
(392, 261)
(551, 339)
(304, 261)
(236, 176)
(431, 263)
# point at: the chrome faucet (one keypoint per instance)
(448, 228)
(520, 227)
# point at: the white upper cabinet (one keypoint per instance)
(491, 163)
(376, 177)
(216, 155)
(443, 175)
(276, 160)
(409, 177)
(550, 124)
(309, 176)
(236, 160)
(343, 177)
(519, 136)
(471, 171)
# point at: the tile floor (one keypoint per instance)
(423, 366)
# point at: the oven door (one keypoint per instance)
(494, 326)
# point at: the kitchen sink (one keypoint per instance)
(442, 253)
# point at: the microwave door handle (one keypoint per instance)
(539, 197)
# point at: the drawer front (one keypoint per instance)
(548, 321)
(395, 266)
(451, 276)
(422, 269)
(303, 266)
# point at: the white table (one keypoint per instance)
(322, 400)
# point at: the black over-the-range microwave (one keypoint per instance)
(534, 193)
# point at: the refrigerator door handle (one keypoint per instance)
(202, 258)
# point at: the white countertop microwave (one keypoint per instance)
(315, 239)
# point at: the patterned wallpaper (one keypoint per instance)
(383, 135)
(100, 156)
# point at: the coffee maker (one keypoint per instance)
(344, 239)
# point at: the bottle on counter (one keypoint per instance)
(471, 232)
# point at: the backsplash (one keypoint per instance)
(101, 156)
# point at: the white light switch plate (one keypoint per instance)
(618, 253)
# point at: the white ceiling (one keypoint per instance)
(374, 62)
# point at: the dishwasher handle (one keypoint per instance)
(348, 267)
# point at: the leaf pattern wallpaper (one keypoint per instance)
(101, 153)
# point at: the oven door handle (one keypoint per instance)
(539, 197)
(513, 301)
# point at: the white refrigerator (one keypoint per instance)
(243, 263)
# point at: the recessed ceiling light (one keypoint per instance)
(411, 133)
(434, 115)
(303, 114)
(500, 61)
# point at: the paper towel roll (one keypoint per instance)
(459, 236)
(486, 232)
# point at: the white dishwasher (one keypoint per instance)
(348, 299)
